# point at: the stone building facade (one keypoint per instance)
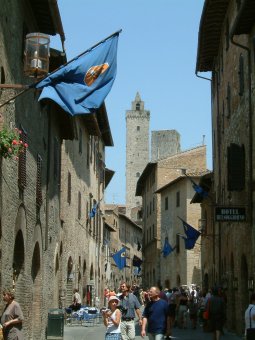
(124, 233)
(155, 176)
(182, 266)
(226, 48)
(164, 143)
(82, 187)
(48, 244)
(137, 148)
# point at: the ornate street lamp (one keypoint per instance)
(36, 63)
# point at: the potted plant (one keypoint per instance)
(11, 144)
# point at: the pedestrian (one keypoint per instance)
(111, 318)
(249, 317)
(193, 309)
(172, 301)
(76, 305)
(182, 307)
(129, 306)
(217, 313)
(12, 317)
(156, 317)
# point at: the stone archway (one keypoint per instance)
(244, 289)
(178, 280)
(232, 294)
(18, 257)
(206, 282)
(69, 284)
(36, 275)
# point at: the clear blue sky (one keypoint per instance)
(157, 57)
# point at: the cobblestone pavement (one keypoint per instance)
(96, 332)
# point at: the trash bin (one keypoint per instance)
(55, 328)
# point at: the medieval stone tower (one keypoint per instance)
(164, 143)
(137, 149)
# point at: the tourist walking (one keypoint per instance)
(12, 317)
(217, 313)
(129, 306)
(155, 316)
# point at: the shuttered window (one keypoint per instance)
(79, 205)
(69, 188)
(56, 159)
(227, 35)
(236, 167)
(228, 101)
(241, 75)
(80, 140)
(166, 203)
(39, 181)
(177, 198)
(22, 176)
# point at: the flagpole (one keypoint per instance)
(88, 50)
(29, 87)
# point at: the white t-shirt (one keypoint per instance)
(111, 328)
(249, 323)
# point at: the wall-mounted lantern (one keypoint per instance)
(250, 283)
(36, 63)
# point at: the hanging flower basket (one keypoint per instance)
(11, 144)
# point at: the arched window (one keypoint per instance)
(241, 75)
(137, 107)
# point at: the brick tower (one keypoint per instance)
(137, 149)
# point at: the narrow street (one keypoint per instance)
(96, 332)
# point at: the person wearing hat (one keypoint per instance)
(112, 317)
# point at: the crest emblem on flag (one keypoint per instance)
(94, 72)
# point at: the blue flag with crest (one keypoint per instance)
(81, 85)
(120, 258)
(192, 235)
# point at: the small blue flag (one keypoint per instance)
(120, 258)
(167, 249)
(192, 235)
(200, 191)
(93, 211)
(81, 85)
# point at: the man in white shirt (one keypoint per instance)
(249, 317)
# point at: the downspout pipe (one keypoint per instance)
(247, 49)
(214, 232)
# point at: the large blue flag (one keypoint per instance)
(81, 85)
(192, 235)
(167, 249)
(120, 258)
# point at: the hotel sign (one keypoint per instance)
(233, 214)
